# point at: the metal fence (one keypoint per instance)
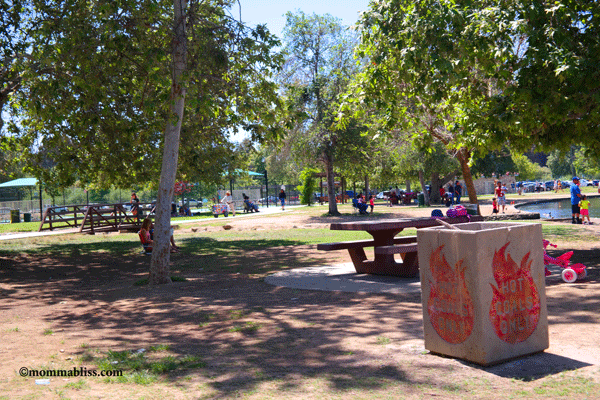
(259, 195)
(24, 206)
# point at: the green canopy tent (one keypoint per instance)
(25, 182)
(251, 173)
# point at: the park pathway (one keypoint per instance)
(263, 211)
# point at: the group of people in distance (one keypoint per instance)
(228, 199)
(452, 195)
(580, 205)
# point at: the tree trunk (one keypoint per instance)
(367, 188)
(437, 183)
(330, 182)
(435, 188)
(159, 265)
(408, 186)
(463, 157)
(424, 187)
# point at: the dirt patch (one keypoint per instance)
(256, 340)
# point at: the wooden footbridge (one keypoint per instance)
(93, 218)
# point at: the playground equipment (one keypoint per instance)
(570, 273)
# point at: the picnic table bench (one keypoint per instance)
(386, 244)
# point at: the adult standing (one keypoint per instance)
(451, 192)
(135, 206)
(282, 198)
(575, 199)
(457, 191)
(500, 193)
(229, 201)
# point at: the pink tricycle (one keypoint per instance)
(570, 273)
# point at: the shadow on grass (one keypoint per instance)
(202, 245)
(240, 331)
(246, 333)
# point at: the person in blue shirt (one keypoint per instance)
(575, 199)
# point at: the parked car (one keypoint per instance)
(585, 182)
(528, 186)
(566, 184)
(595, 182)
(272, 199)
(549, 185)
(380, 195)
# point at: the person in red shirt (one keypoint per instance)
(500, 193)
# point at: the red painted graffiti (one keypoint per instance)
(515, 308)
(449, 306)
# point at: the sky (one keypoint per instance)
(272, 12)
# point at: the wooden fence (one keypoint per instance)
(92, 218)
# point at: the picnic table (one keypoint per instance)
(386, 244)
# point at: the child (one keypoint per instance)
(147, 233)
(584, 205)
(494, 206)
(371, 203)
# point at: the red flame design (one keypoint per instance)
(449, 306)
(515, 308)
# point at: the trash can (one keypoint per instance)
(26, 217)
(483, 290)
(421, 199)
(15, 216)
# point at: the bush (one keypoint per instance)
(309, 185)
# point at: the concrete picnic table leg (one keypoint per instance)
(385, 264)
(359, 259)
(382, 264)
(410, 265)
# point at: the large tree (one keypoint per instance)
(319, 64)
(13, 43)
(412, 47)
(545, 59)
(490, 72)
(121, 84)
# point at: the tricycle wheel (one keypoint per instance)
(568, 275)
(582, 274)
(216, 215)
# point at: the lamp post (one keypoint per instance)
(267, 188)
